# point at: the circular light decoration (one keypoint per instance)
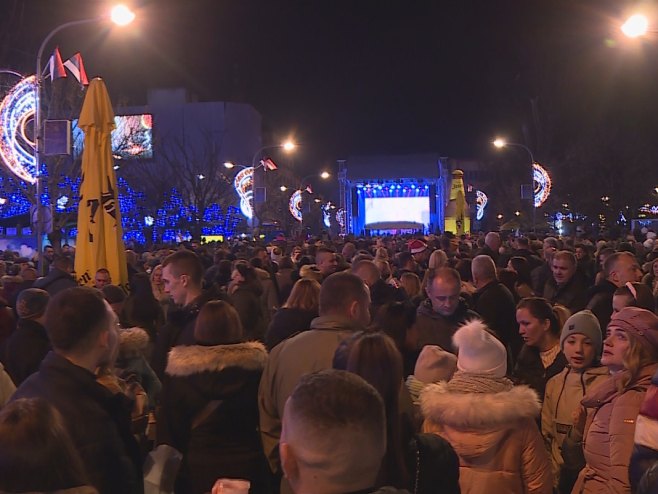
(295, 205)
(16, 113)
(243, 184)
(542, 184)
(481, 201)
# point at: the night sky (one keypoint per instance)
(370, 77)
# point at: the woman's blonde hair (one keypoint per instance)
(636, 357)
(411, 284)
(305, 295)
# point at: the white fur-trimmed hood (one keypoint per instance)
(478, 410)
(195, 359)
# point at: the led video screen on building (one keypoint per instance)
(131, 139)
(402, 209)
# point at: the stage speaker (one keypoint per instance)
(432, 199)
(356, 199)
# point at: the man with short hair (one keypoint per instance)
(381, 293)
(492, 243)
(442, 313)
(28, 344)
(59, 278)
(333, 438)
(81, 327)
(344, 309)
(618, 269)
(102, 278)
(326, 261)
(182, 277)
(495, 304)
(567, 286)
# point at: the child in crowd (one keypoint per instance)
(580, 343)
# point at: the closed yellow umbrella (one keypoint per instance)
(100, 236)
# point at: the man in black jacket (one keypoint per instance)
(495, 304)
(28, 344)
(81, 327)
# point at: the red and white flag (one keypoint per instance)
(308, 189)
(268, 164)
(77, 68)
(55, 65)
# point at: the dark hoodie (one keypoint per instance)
(432, 328)
(600, 302)
(247, 302)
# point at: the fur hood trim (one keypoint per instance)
(195, 359)
(478, 410)
(132, 341)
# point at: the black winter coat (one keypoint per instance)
(55, 281)
(226, 443)
(600, 302)
(286, 323)
(26, 348)
(530, 370)
(97, 420)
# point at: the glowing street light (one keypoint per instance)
(635, 26)
(228, 164)
(122, 15)
(289, 146)
(325, 175)
(283, 188)
(499, 143)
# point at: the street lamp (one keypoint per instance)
(635, 26)
(502, 143)
(120, 15)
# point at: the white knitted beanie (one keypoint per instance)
(480, 352)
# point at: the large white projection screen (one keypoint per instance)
(397, 209)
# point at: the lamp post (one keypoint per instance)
(635, 26)
(324, 175)
(502, 143)
(288, 147)
(120, 15)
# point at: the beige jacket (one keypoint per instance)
(495, 436)
(7, 387)
(564, 392)
(609, 433)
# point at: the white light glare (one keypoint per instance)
(635, 26)
(122, 15)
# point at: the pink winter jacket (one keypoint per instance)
(609, 433)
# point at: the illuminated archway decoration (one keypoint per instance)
(295, 205)
(542, 184)
(16, 113)
(243, 184)
(481, 201)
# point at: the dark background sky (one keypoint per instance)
(364, 76)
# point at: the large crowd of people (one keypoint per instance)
(425, 364)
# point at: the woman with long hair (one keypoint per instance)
(523, 285)
(210, 403)
(141, 308)
(36, 452)
(540, 358)
(296, 314)
(245, 292)
(375, 358)
(630, 352)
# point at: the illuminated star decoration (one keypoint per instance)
(481, 201)
(243, 184)
(542, 185)
(295, 205)
(16, 148)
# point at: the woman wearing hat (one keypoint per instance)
(489, 422)
(630, 353)
(580, 342)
